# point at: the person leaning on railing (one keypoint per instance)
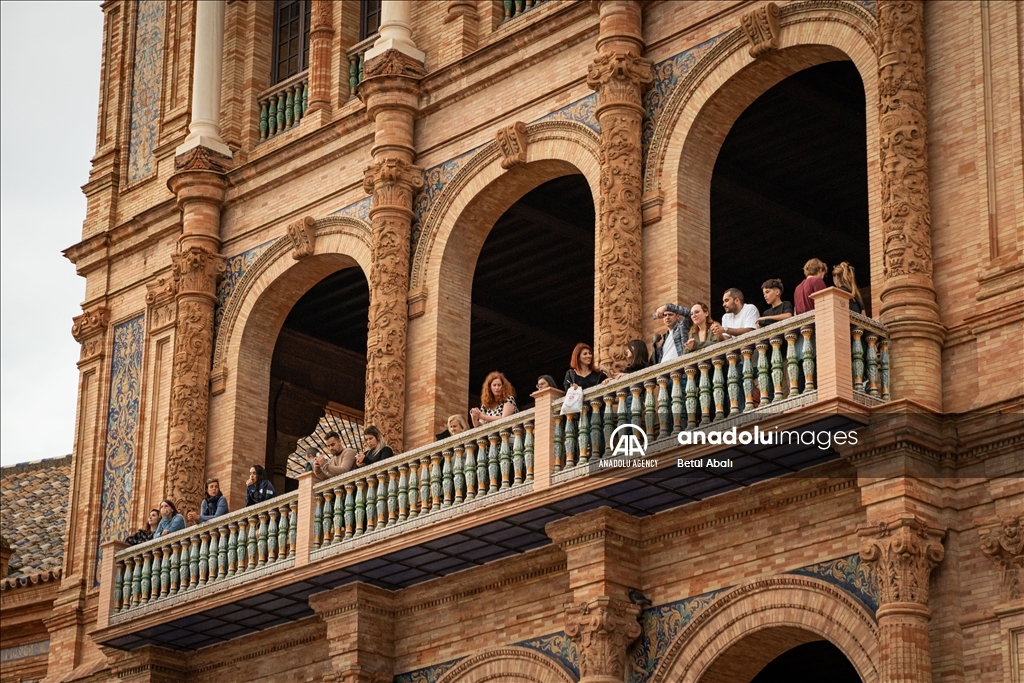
(677, 328)
(582, 373)
(143, 535)
(259, 487)
(213, 505)
(497, 400)
(701, 334)
(344, 459)
(170, 521)
(778, 309)
(739, 317)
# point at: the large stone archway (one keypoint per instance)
(770, 616)
(253, 317)
(454, 231)
(507, 664)
(702, 110)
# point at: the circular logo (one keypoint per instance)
(629, 445)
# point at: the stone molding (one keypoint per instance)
(161, 308)
(202, 159)
(829, 11)
(1004, 545)
(512, 142)
(762, 28)
(602, 629)
(90, 330)
(902, 554)
(393, 63)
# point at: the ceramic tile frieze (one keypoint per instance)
(360, 210)
(660, 625)
(558, 647)
(429, 674)
(850, 574)
(235, 267)
(435, 180)
(144, 126)
(581, 111)
(10, 654)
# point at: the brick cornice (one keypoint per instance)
(602, 524)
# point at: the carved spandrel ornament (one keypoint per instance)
(196, 271)
(303, 236)
(512, 144)
(90, 330)
(902, 554)
(762, 28)
(202, 159)
(1004, 545)
(602, 630)
(902, 127)
(619, 78)
(393, 63)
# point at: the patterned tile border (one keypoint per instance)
(144, 127)
(428, 674)
(660, 626)
(9, 654)
(850, 574)
(235, 268)
(558, 647)
(360, 210)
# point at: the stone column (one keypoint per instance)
(902, 554)
(360, 632)
(199, 187)
(619, 74)
(390, 89)
(204, 129)
(395, 31)
(602, 549)
(321, 35)
(909, 308)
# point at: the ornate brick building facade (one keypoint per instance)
(308, 216)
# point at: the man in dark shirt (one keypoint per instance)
(779, 309)
(815, 270)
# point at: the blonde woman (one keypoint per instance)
(844, 277)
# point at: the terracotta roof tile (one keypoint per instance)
(33, 510)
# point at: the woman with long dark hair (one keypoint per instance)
(376, 448)
(170, 520)
(583, 372)
(259, 487)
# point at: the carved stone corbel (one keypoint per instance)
(1004, 545)
(303, 236)
(202, 159)
(90, 330)
(762, 28)
(512, 143)
(602, 629)
(162, 309)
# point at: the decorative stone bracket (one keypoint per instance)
(303, 236)
(160, 299)
(89, 330)
(512, 143)
(762, 28)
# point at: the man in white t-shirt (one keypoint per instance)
(677, 325)
(739, 318)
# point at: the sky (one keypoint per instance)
(50, 89)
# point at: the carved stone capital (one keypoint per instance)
(902, 554)
(512, 143)
(322, 15)
(1004, 545)
(762, 28)
(196, 271)
(602, 630)
(620, 77)
(393, 63)
(902, 129)
(392, 182)
(202, 159)
(89, 330)
(303, 236)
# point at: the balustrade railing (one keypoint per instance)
(514, 8)
(870, 355)
(443, 475)
(248, 541)
(741, 375)
(282, 107)
(763, 372)
(356, 61)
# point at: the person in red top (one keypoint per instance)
(815, 271)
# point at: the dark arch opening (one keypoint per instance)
(318, 371)
(809, 663)
(790, 184)
(533, 288)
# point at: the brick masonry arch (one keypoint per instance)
(765, 618)
(507, 664)
(253, 317)
(701, 111)
(454, 231)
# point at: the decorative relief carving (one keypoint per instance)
(196, 271)
(160, 291)
(619, 77)
(903, 554)
(202, 159)
(89, 330)
(1004, 545)
(602, 630)
(762, 28)
(512, 143)
(392, 182)
(393, 63)
(902, 124)
(303, 236)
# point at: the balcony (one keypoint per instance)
(488, 493)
